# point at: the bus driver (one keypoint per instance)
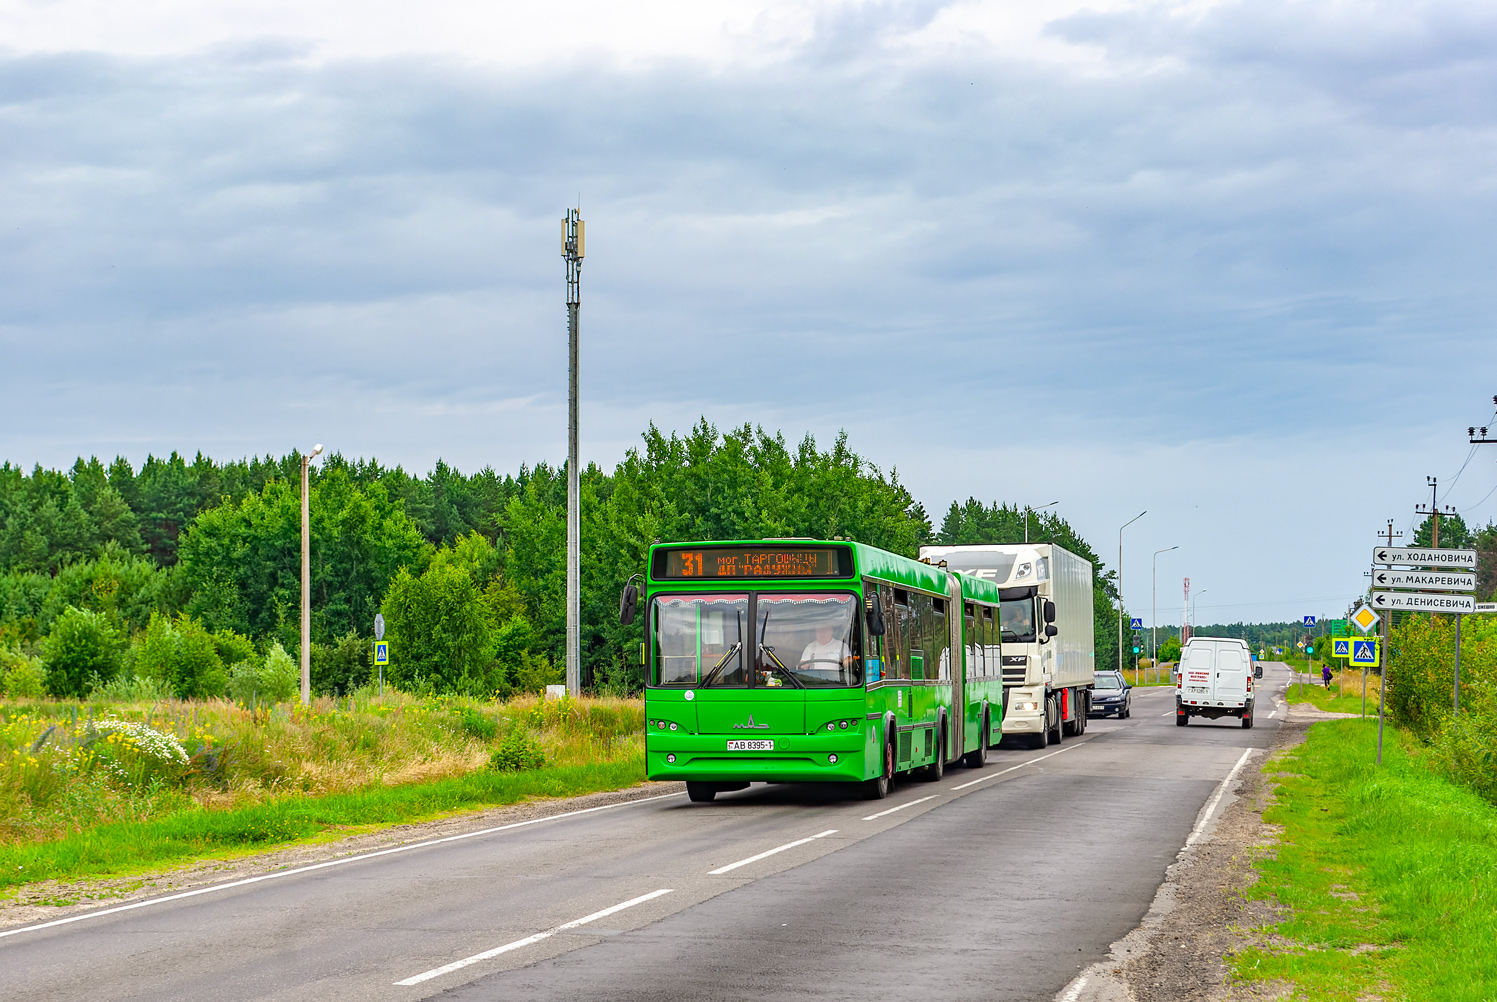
(824, 653)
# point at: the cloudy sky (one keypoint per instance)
(1227, 262)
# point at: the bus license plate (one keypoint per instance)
(750, 746)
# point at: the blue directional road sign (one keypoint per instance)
(1309, 621)
(1364, 653)
(382, 652)
(1341, 647)
(1138, 623)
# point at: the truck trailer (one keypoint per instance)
(1048, 650)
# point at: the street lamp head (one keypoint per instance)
(317, 449)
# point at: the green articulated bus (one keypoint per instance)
(813, 661)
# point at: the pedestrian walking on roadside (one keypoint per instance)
(1325, 675)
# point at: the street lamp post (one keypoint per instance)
(306, 582)
(1193, 609)
(1027, 510)
(1122, 611)
(1154, 613)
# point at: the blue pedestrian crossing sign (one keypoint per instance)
(1364, 653)
(1309, 621)
(1138, 623)
(381, 652)
(1341, 648)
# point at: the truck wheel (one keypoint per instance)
(878, 789)
(1041, 739)
(700, 793)
(1058, 734)
(978, 757)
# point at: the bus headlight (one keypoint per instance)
(673, 726)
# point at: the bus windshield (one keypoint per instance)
(1018, 621)
(699, 639)
(806, 641)
(800, 641)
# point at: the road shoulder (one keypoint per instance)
(45, 901)
(1201, 914)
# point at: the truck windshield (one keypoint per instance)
(1017, 621)
(806, 641)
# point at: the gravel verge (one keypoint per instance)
(1201, 916)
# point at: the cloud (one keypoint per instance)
(1225, 230)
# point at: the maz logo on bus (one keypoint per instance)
(751, 726)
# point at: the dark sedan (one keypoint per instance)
(1111, 694)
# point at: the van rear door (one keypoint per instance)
(1198, 671)
(1231, 673)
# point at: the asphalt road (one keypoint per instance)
(999, 883)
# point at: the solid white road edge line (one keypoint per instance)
(321, 866)
(1011, 769)
(770, 852)
(1221, 789)
(456, 965)
(1075, 990)
(1273, 714)
(912, 803)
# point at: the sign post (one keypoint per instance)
(379, 634)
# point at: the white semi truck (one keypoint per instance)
(1048, 649)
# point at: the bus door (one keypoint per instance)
(957, 656)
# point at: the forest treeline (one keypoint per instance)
(186, 574)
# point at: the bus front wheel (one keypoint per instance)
(700, 793)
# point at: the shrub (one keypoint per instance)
(342, 666)
(130, 688)
(21, 677)
(183, 655)
(517, 752)
(82, 644)
(274, 679)
(476, 725)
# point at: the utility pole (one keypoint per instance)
(1434, 512)
(1027, 510)
(573, 247)
(306, 582)
(1154, 612)
(1122, 609)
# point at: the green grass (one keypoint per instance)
(1386, 871)
(123, 848)
(1344, 695)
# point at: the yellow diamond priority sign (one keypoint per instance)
(1365, 619)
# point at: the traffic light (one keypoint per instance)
(1137, 643)
(1310, 651)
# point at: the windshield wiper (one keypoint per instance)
(778, 664)
(711, 676)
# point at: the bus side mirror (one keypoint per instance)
(1049, 614)
(1050, 630)
(874, 614)
(628, 603)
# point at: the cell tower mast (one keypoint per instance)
(573, 247)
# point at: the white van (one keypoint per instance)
(1215, 679)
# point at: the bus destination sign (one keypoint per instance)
(755, 562)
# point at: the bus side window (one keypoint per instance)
(913, 662)
(896, 612)
(938, 658)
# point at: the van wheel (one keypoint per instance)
(878, 789)
(1247, 721)
(1181, 718)
(978, 757)
(700, 793)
